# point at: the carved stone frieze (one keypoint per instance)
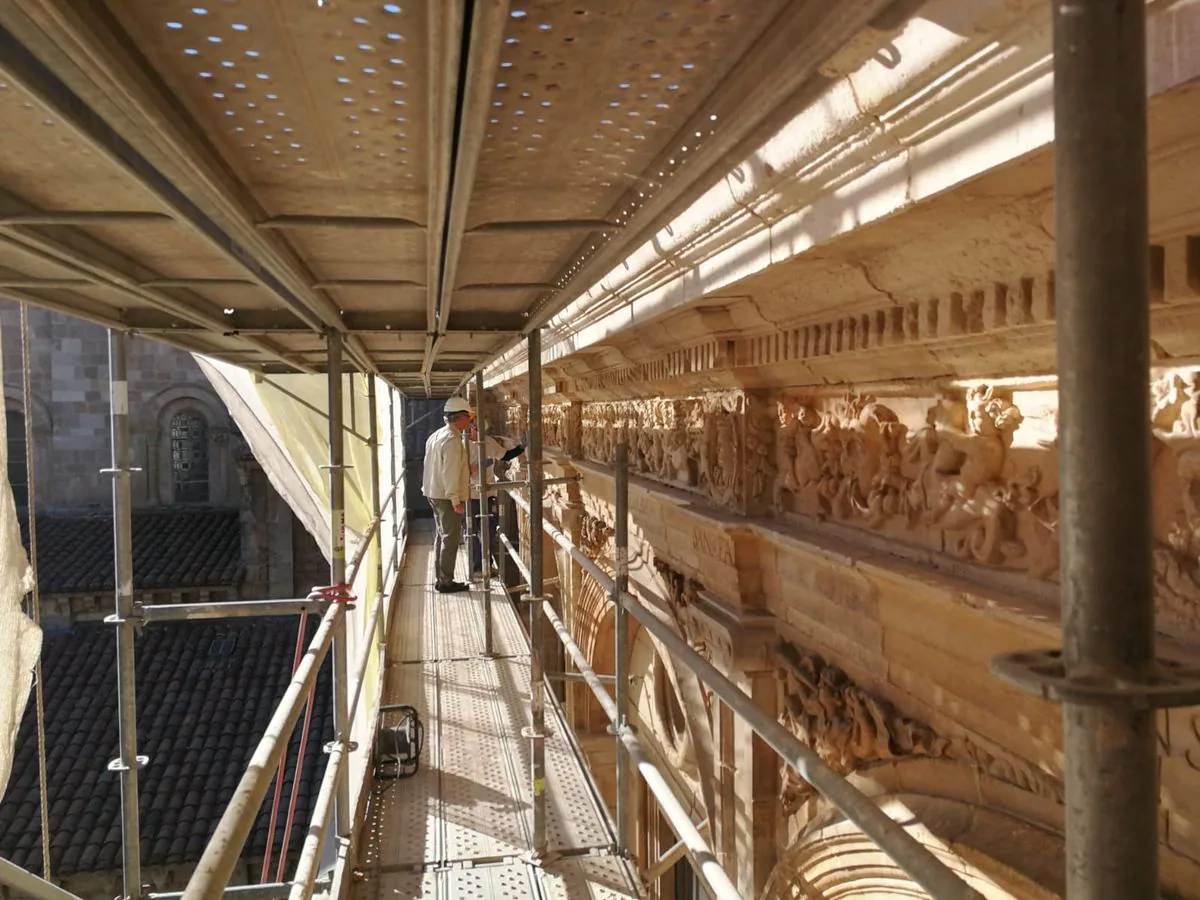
(718, 445)
(554, 425)
(852, 730)
(516, 419)
(967, 473)
(951, 483)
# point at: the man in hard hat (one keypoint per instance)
(446, 485)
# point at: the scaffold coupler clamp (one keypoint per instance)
(121, 471)
(334, 593)
(135, 617)
(540, 860)
(1169, 684)
(118, 765)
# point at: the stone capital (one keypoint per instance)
(739, 640)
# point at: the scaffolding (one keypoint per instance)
(1107, 674)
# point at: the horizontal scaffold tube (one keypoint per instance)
(188, 612)
(703, 858)
(26, 884)
(905, 850)
(224, 849)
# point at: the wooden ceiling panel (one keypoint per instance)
(357, 253)
(588, 93)
(46, 164)
(490, 258)
(318, 107)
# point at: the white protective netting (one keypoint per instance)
(20, 638)
(284, 420)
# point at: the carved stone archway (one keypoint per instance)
(998, 846)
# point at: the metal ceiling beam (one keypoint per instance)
(501, 287)
(87, 313)
(447, 375)
(200, 283)
(191, 283)
(783, 64)
(359, 223)
(98, 265)
(250, 321)
(483, 58)
(88, 217)
(445, 22)
(588, 226)
(83, 55)
(31, 284)
(333, 283)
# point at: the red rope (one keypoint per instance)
(287, 831)
(283, 762)
(334, 593)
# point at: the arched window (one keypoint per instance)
(18, 466)
(189, 457)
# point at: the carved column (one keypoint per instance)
(740, 644)
(756, 788)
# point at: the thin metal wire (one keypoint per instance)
(266, 866)
(35, 596)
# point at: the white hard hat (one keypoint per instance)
(456, 406)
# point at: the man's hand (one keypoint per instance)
(459, 508)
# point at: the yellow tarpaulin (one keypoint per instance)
(284, 420)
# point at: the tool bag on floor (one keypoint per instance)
(398, 744)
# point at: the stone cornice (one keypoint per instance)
(939, 111)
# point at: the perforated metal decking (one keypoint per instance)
(461, 826)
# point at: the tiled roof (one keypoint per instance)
(171, 549)
(206, 691)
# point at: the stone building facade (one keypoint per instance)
(836, 377)
(172, 408)
(184, 443)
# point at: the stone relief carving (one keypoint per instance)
(967, 473)
(951, 483)
(554, 425)
(719, 445)
(851, 730)
(594, 535)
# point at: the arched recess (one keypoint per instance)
(39, 460)
(152, 428)
(1005, 841)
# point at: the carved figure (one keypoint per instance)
(851, 730)
(787, 425)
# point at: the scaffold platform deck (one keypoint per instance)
(461, 827)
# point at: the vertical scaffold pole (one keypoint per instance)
(373, 442)
(122, 475)
(621, 654)
(337, 568)
(1102, 293)
(397, 512)
(537, 685)
(485, 520)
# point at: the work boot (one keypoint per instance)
(452, 587)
